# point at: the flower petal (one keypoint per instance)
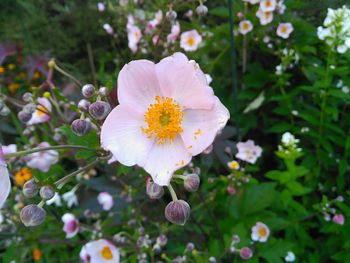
(138, 84)
(185, 82)
(5, 184)
(164, 159)
(201, 126)
(122, 135)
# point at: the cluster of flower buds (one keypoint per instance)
(289, 144)
(94, 106)
(245, 252)
(29, 108)
(201, 10)
(330, 212)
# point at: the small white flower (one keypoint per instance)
(56, 200)
(284, 30)
(190, 40)
(101, 7)
(268, 5)
(248, 151)
(260, 232)
(245, 26)
(108, 28)
(290, 257)
(264, 17)
(288, 139)
(70, 198)
(106, 200)
(100, 251)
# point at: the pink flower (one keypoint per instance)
(248, 151)
(284, 30)
(268, 5)
(167, 114)
(108, 28)
(134, 37)
(264, 17)
(42, 112)
(71, 225)
(42, 160)
(11, 148)
(246, 253)
(231, 190)
(101, 7)
(260, 232)
(100, 251)
(245, 26)
(5, 184)
(190, 40)
(175, 32)
(106, 200)
(339, 219)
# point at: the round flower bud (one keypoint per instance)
(83, 105)
(190, 247)
(27, 97)
(202, 10)
(5, 111)
(246, 253)
(29, 108)
(24, 116)
(46, 192)
(191, 182)
(103, 91)
(32, 215)
(177, 212)
(81, 127)
(171, 15)
(99, 110)
(154, 191)
(30, 188)
(88, 90)
(212, 260)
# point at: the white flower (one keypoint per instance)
(5, 184)
(289, 139)
(245, 26)
(100, 251)
(108, 28)
(268, 5)
(248, 151)
(264, 17)
(290, 257)
(70, 198)
(44, 159)
(190, 40)
(284, 30)
(101, 7)
(106, 200)
(281, 8)
(71, 225)
(56, 199)
(134, 37)
(175, 32)
(42, 112)
(260, 232)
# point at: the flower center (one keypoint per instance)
(41, 110)
(106, 253)
(268, 4)
(164, 119)
(262, 231)
(245, 26)
(284, 29)
(190, 41)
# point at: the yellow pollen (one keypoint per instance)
(262, 232)
(234, 165)
(284, 29)
(164, 120)
(22, 176)
(190, 41)
(245, 26)
(106, 253)
(41, 110)
(268, 3)
(136, 34)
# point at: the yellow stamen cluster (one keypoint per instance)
(262, 231)
(106, 253)
(41, 110)
(164, 119)
(190, 41)
(234, 165)
(23, 175)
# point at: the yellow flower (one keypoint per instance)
(37, 254)
(22, 176)
(2, 70)
(234, 165)
(13, 87)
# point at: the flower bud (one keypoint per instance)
(177, 212)
(99, 110)
(24, 116)
(83, 105)
(246, 253)
(88, 90)
(30, 188)
(202, 10)
(212, 260)
(46, 192)
(339, 219)
(27, 97)
(171, 15)
(162, 240)
(103, 91)
(191, 182)
(190, 247)
(32, 215)
(81, 127)
(154, 191)
(5, 111)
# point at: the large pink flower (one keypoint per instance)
(167, 114)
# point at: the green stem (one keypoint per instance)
(56, 147)
(67, 75)
(172, 192)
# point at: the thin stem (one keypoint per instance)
(67, 75)
(56, 147)
(172, 192)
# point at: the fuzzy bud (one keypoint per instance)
(171, 15)
(27, 97)
(212, 260)
(246, 253)
(103, 91)
(191, 182)
(46, 192)
(83, 105)
(202, 10)
(99, 110)
(190, 247)
(24, 116)
(154, 191)
(177, 212)
(32, 215)
(88, 90)
(30, 188)
(81, 127)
